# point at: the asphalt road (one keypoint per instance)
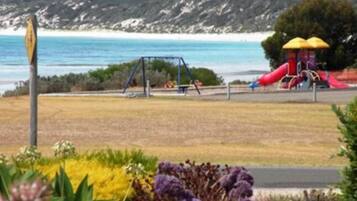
(295, 177)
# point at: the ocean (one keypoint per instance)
(60, 55)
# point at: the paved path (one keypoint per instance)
(323, 96)
(329, 96)
(295, 177)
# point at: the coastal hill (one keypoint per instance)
(149, 16)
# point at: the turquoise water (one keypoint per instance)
(59, 55)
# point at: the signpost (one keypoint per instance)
(31, 46)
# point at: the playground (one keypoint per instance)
(302, 70)
(292, 81)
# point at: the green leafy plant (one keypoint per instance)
(123, 158)
(63, 190)
(348, 128)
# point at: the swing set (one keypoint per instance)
(142, 64)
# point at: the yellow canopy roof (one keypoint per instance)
(297, 43)
(318, 43)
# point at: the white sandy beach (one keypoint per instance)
(244, 37)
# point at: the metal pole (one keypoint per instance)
(33, 90)
(179, 73)
(190, 75)
(132, 73)
(314, 92)
(148, 89)
(228, 91)
(144, 77)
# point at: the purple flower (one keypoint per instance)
(237, 184)
(170, 187)
(246, 176)
(242, 191)
(227, 182)
(236, 170)
(169, 168)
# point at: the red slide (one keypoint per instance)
(275, 76)
(333, 83)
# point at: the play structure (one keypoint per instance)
(143, 63)
(301, 69)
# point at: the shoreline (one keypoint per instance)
(109, 34)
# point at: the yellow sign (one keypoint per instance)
(30, 39)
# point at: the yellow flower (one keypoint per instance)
(108, 182)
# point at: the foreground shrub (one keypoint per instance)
(205, 182)
(348, 128)
(313, 195)
(108, 182)
(97, 175)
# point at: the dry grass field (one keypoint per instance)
(226, 132)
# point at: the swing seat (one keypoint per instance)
(182, 89)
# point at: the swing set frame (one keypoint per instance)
(142, 64)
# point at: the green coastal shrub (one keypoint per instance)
(115, 76)
(237, 82)
(335, 21)
(348, 128)
(206, 76)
